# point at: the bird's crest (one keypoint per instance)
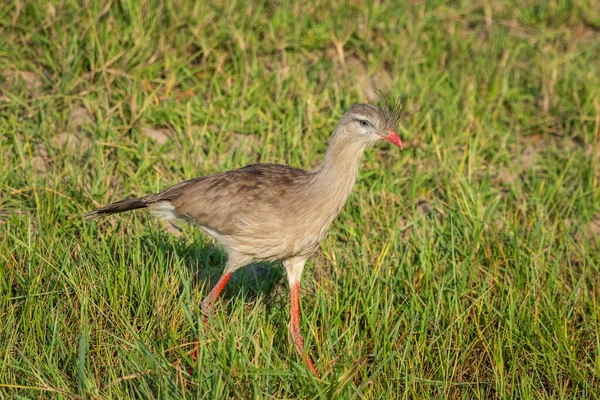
(393, 109)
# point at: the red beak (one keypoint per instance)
(393, 137)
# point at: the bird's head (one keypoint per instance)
(369, 124)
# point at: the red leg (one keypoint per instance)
(207, 303)
(295, 326)
(207, 308)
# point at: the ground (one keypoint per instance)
(465, 266)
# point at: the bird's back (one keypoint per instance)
(263, 209)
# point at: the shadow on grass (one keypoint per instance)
(205, 262)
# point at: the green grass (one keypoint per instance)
(465, 266)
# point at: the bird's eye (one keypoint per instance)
(364, 123)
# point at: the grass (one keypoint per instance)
(465, 266)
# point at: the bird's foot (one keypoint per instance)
(207, 308)
(194, 358)
(299, 344)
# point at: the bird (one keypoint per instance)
(273, 212)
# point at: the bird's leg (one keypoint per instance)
(207, 308)
(295, 326)
(207, 303)
(234, 262)
(294, 271)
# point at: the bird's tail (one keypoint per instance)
(118, 207)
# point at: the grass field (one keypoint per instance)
(466, 266)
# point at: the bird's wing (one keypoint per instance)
(224, 201)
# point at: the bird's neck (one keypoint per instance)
(336, 175)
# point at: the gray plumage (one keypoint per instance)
(267, 212)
